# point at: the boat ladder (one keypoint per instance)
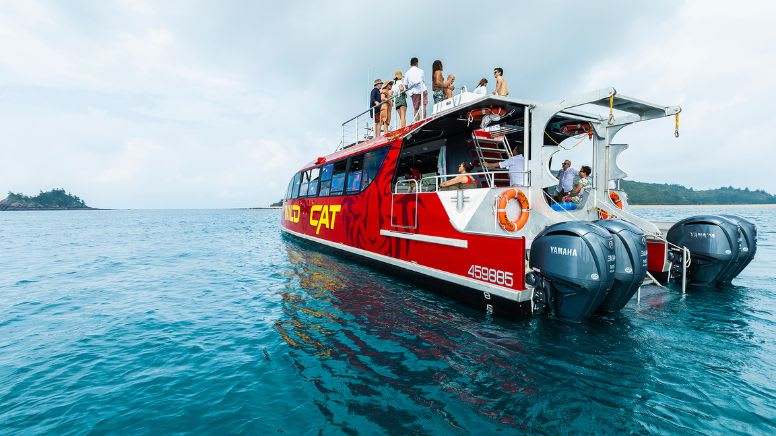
(492, 146)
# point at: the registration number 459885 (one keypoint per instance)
(491, 275)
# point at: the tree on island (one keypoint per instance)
(54, 199)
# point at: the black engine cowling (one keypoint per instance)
(630, 248)
(748, 246)
(575, 264)
(715, 244)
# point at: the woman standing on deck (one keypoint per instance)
(385, 111)
(401, 98)
(442, 88)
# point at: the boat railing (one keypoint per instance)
(362, 127)
(433, 183)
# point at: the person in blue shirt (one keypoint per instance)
(374, 103)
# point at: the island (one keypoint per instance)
(56, 199)
(640, 193)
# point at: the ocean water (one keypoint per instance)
(141, 322)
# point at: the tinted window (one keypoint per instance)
(312, 189)
(295, 186)
(338, 177)
(372, 162)
(326, 180)
(354, 174)
(305, 183)
(326, 172)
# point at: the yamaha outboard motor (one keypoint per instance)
(630, 248)
(715, 245)
(748, 246)
(573, 265)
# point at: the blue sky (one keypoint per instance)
(185, 104)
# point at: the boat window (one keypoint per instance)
(354, 175)
(420, 162)
(295, 185)
(326, 172)
(372, 162)
(338, 177)
(305, 182)
(312, 188)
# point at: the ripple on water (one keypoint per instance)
(209, 321)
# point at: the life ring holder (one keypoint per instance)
(478, 114)
(615, 197)
(501, 211)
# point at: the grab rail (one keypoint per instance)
(432, 183)
(351, 127)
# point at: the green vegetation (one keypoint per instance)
(54, 199)
(656, 193)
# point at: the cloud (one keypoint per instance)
(192, 104)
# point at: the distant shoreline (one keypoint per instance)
(27, 209)
(704, 205)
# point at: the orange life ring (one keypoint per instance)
(575, 129)
(477, 114)
(501, 213)
(615, 197)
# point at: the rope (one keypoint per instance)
(611, 108)
(676, 128)
(551, 138)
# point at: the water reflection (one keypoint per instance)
(407, 360)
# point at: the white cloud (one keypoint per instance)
(144, 104)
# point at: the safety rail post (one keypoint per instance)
(684, 269)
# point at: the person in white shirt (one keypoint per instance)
(416, 87)
(515, 165)
(481, 88)
(565, 179)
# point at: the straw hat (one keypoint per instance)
(398, 75)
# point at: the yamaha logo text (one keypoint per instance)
(563, 251)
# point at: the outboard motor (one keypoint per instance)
(630, 248)
(574, 266)
(748, 246)
(715, 245)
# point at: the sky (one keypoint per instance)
(205, 104)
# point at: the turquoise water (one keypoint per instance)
(211, 322)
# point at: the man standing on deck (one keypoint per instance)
(565, 179)
(515, 165)
(374, 102)
(501, 83)
(416, 87)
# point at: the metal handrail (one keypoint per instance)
(489, 177)
(416, 117)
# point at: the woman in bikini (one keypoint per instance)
(443, 89)
(462, 181)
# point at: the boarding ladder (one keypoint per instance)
(491, 145)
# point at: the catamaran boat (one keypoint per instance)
(506, 245)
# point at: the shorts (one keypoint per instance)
(439, 95)
(416, 103)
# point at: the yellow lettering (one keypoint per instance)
(323, 220)
(313, 220)
(333, 209)
(296, 213)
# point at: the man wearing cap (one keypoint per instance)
(375, 101)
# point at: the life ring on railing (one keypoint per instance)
(501, 212)
(615, 197)
(477, 114)
(575, 129)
